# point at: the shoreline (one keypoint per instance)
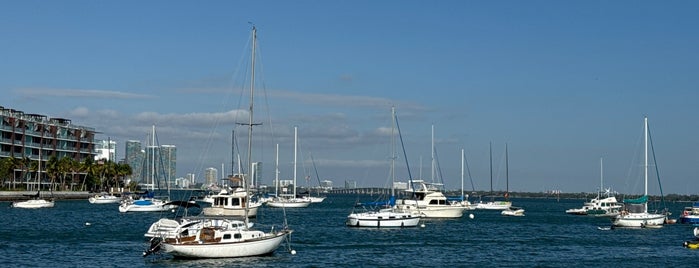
(20, 195)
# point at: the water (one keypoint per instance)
(545, 237)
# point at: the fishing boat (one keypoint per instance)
(147, 201)
(220, 241)
(494, 204)
(599, 206)
(36, 200)
(387, 217)
(287, 200)
(635, 212)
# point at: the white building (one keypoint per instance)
(105, 149)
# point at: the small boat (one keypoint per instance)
(691, 244)
(513, 211)
(690, 215)
(103, 198)
(35, 202)
(598, 206)
(231, 203)
(290, 200)
(495, 204)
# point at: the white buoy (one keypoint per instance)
(88, 224)
(422, 225)
(470, 216)
(293, 252)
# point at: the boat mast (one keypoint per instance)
(645, 164)
(250, 122)
(507, 174)
(393, 150)
(276, 173)
(462, 175)
(433, 154)
(295, 151)
(152, 160)
(490, 145)
(601, 179)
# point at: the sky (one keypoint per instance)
(562, 84)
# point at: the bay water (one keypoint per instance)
(76, 233)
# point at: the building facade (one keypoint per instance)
(106, 149)
(38, 137)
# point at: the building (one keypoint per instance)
(134, 158)
(211, 176)
(256, 174)
(350, 184)
(38, 137)
(105, 149)
(168, 155)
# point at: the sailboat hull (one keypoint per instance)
(253, 247)
(639, 220)
(382, 219)
(34, 203)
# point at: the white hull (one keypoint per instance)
(103, 199)
(513, 212)
(317, 199)
(639, 220)
(496, 205)
(152, 206)
(236, 212)
(382, 219)
(264, 245)
(291, 203)
(33, 203)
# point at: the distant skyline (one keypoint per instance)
(562, 83)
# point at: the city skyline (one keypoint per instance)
(563, 84)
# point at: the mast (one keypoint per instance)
(250, 122)
(645, 163)
(276, 173)
(152, 160)
(462, 175)
(432, 153)
(601, 178)
(393, 150)
(507, 174)
(490, 145)
(295, 151)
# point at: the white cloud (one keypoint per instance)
(79, 93)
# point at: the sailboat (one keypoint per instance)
(599, 206)
(635, 212)
(493, 204)
(36, 200)
(220, 241)
(387, 217)
(290, 200)
(148, 202)
(510, 211)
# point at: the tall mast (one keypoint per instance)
(462, 175)
(601, 178)
(507, 173)
(393, 150)
(276, 173)
(295, 151)
(432, 153)
(645, 165)
(152, 160)
(250, 123)
(490, 145)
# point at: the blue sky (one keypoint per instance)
(563, 83)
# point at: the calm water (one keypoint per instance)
(546, 237)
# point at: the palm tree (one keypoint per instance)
(52, 169)
(91, 172)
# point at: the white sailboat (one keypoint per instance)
(290, 200)
(635, 212)
(36, 200)
(388, 217)
(148, 202)
(495, 204)
(103, 198)
(232, 202)
(211, 241)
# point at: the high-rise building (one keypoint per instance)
(211, 176)
(134, 158)
(168, 154)
(106, 149)
(256, 174)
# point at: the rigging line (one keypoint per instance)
(468, 170)
(410, 175)
(657, 170)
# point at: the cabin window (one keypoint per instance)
(237, 236)
(235, 202)
(227, 236)
(434, 202)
